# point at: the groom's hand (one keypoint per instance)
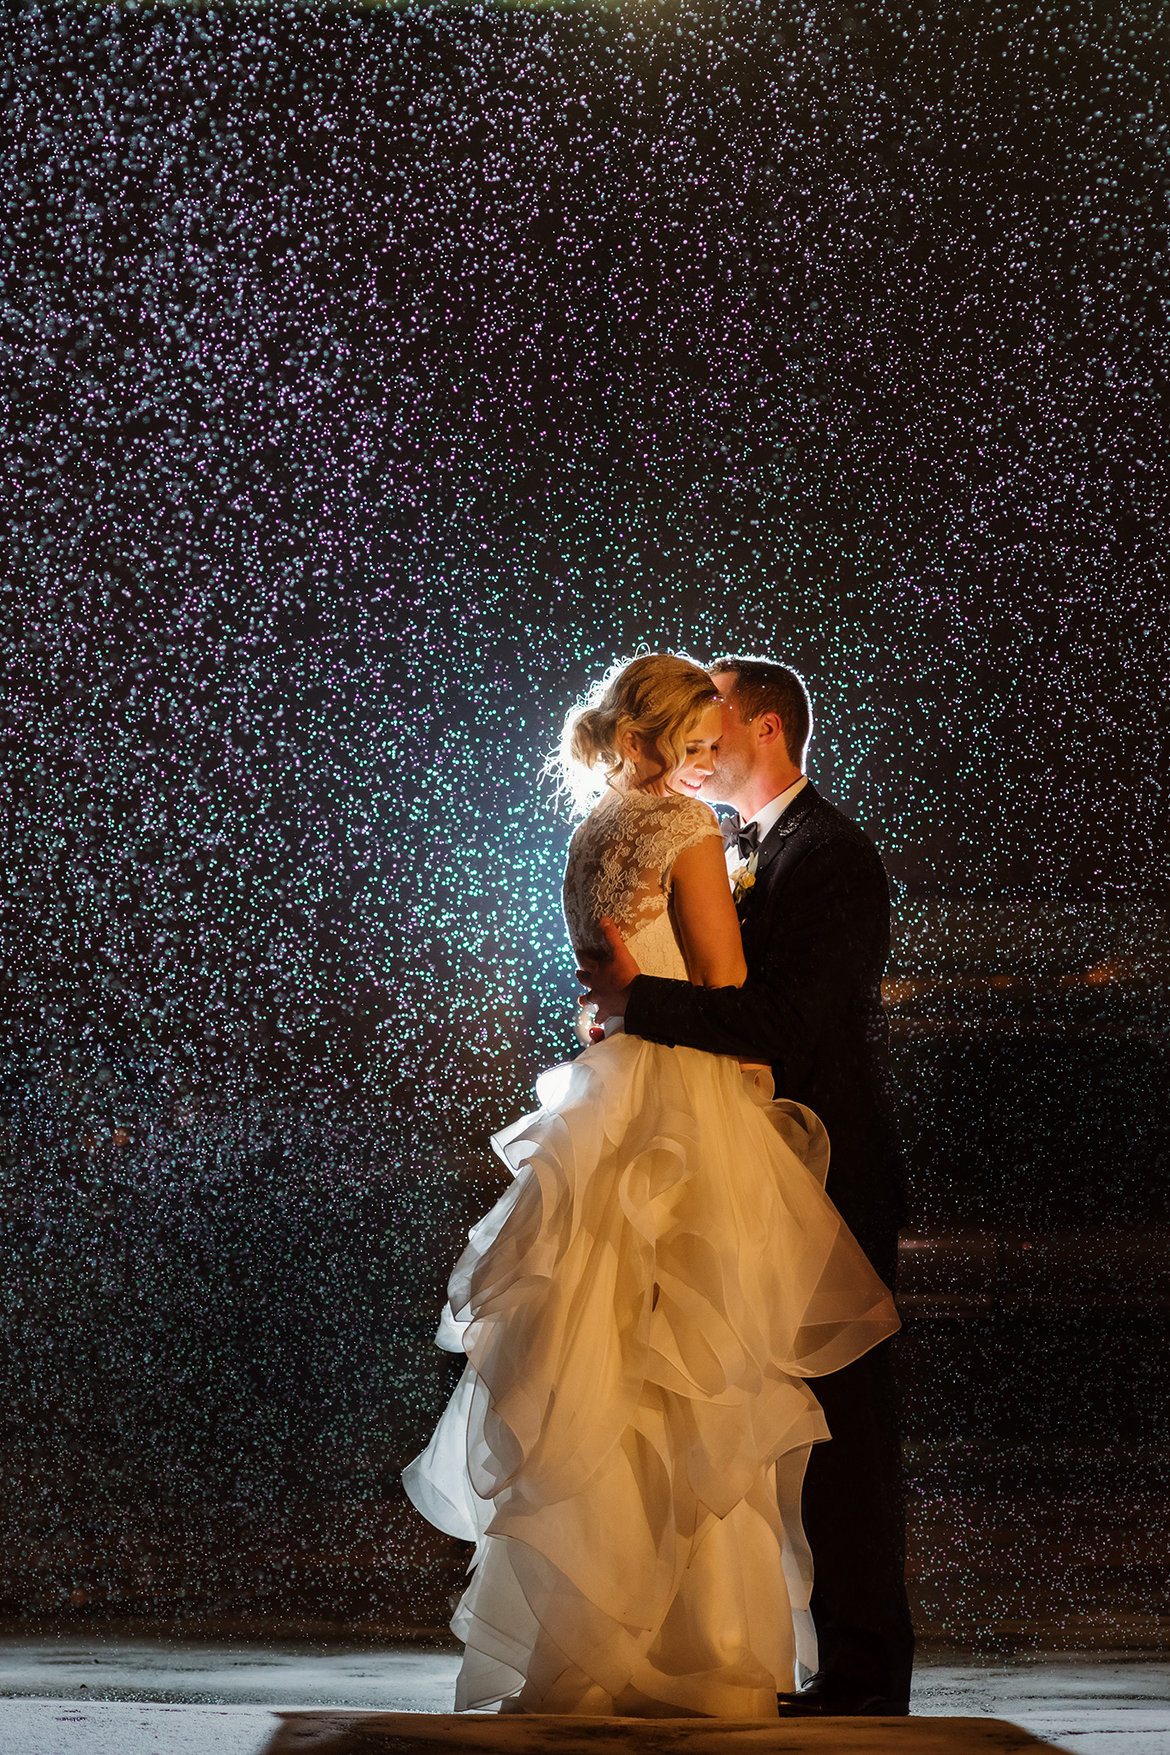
(610, 978)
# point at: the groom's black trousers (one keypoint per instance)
(855, 1520)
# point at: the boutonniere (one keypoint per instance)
(743, 881)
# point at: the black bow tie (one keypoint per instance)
(745, 837)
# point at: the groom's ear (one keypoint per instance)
(769, 727)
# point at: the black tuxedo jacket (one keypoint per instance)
(816, 935)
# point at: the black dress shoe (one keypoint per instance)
(836, 1697)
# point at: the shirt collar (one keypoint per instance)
(770, 815)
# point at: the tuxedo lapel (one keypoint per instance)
(785, 827)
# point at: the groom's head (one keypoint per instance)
(767, 723)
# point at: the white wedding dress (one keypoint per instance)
(639, 1312)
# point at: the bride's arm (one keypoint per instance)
(705, 918)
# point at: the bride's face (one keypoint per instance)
(699, 762)
(696, 768)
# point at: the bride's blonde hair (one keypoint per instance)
(659, 695)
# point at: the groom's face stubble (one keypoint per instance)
(735, 756)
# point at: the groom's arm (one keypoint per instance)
(835, 904)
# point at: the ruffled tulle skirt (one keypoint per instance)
(640, 1312)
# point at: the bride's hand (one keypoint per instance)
(608, 979)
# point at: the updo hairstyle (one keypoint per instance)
(658, 695)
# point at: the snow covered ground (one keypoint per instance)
(82, 1697)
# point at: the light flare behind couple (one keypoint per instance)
(663, 1524)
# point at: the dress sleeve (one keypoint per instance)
(679, 823)
(694, 822)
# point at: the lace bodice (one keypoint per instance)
(621, 861)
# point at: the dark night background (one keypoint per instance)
(376, 377)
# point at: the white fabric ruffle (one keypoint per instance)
(640, 1311)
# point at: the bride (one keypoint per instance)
(641, 1309)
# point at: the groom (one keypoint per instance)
(815, 915)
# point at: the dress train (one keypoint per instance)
(640, 1312)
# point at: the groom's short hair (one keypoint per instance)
(763, 686)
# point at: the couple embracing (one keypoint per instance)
(675, 1442)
